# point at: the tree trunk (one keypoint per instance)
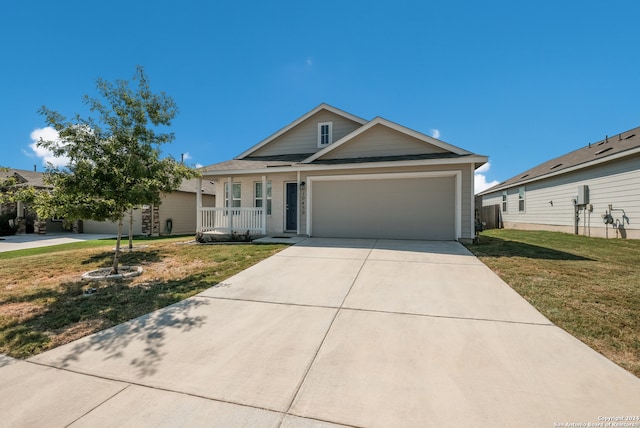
(114, 269)
(131, 229)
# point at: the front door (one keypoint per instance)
(291, 207)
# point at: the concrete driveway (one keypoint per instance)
(329, 333)
(23, 242)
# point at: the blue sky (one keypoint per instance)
(521, 82)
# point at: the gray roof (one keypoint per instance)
(25, 177)
(246, 165)
(388, 158)
(190, 186)
(261, 162)
(35, 179)
(583, 157)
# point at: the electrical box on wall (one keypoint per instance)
(583, 195)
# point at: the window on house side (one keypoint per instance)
(504, 201)
(235, 199)
(258, 193)
(521, 199)
(325, 133)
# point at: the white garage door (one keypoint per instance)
(397, 208)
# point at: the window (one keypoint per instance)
(325, 134)
(521, 199)
(233, 200)
(258, 193)
(504, 201)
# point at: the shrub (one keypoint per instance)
(5, 227)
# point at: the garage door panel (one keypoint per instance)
(402, 208)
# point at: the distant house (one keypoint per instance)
(29, 222)
(592, 191)
(330, 173)
(178, 206)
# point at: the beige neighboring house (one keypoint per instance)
(593, 191)
(179, 206)
(330, 173)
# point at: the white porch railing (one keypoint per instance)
(232, 219)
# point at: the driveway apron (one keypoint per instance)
(329, 333)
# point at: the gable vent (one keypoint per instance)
(599, 152)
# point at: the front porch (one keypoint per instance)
(228, 220)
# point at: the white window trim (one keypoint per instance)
(504, 201)
(320, 125)
(229, 196)
(268, 197)
(523, 200)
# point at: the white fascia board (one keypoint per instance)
(589, 164)
(392, 125)
(298, 121)
(365, 165)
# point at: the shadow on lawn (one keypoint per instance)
(145, 336)
(126, 257)
(496, 247)
(63, 310)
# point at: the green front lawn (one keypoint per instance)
(42, 304)
(590, 287)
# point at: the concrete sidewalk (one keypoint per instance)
(22, 242)
(329, 333)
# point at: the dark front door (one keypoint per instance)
(291, 207)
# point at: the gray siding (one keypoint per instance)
(304, 137)
(382, 141)
(549, 202)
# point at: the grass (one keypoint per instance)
(590, 287)
(42, 301)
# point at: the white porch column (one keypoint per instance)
(298, 208)
(229, 203)
(264, 204)
(199, 205)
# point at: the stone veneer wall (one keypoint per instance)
(147, 227)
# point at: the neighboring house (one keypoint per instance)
(332, 174)
(592, 191)
(178, 206)
(25, 217)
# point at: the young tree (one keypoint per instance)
(114, 159)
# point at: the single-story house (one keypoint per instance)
(178, 207)
(594, 191)
(174, 215)
(330, 173)
(28, 220)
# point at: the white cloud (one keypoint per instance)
(46, 134)
(186, 156)
(435, 133)
(484, 168)
(480, 180)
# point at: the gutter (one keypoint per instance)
(311, 167)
